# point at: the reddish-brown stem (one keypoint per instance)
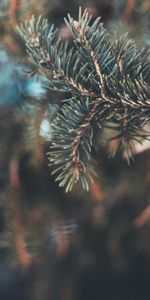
(128, 10)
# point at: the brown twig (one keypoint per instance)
(143, 218)
(128, 11)
(76, 164)
(16, 209)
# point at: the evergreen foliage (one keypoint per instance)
(16, 84)
(105, 82)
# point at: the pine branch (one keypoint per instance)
(108, 83)
(72, 142)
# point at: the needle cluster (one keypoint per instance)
(105, 81)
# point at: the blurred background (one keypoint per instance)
(80, 245)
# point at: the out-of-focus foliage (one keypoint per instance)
(15, 82)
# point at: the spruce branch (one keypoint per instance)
(72, 142)
(108, 83)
